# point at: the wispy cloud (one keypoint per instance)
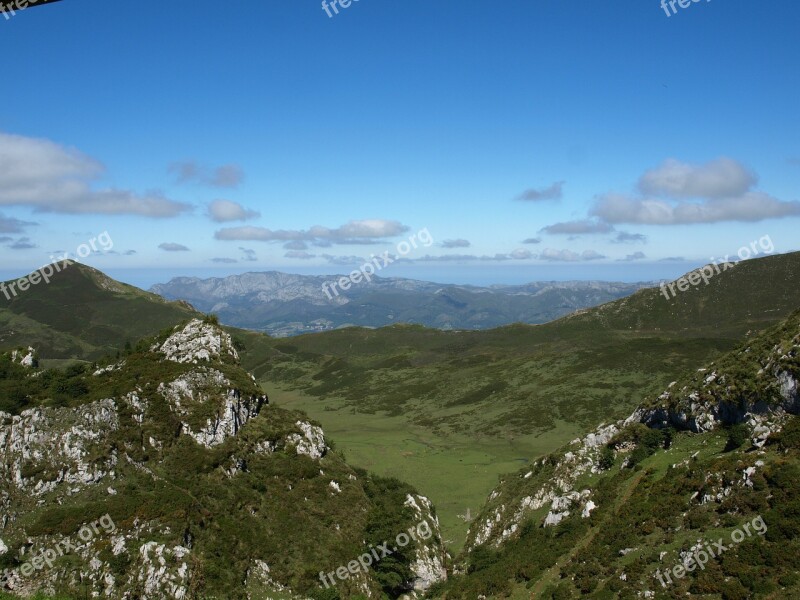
(22, 243)
(48, 177)
(223, 260)
(532, 241)
(299, 254)
(367, 231)
(173, 247)
(190, 171)
(248, 255)
(343, 261)
(296, 245)
(12, 225)
(459, 243)
(223, 211)
(552, 255)
(552, 192)
(519, 254)
(584, 226)
(623, 237)
(632, 257)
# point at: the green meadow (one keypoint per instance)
(456, 471)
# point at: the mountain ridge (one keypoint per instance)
(288, 304)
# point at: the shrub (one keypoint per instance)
(607, 457)
(737, 436)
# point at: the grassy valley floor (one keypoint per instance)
(456, 471)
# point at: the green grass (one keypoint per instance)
(457, 472)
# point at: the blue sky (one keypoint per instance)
(277, 137)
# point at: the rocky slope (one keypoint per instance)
(613, 511)
(166, 473)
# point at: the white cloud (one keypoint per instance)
(296, 245)
(189, 171)
(750, 207)
(223, 211)
(568, 255)
(343, 261)
(521, 254)
(632, 257)
(48, 177)
(720, 178)
(679, 193)
(578, 227)
(301, 254)
(552, 192)
(623, 237)
(532, 241)
(173, 247)
(353, 232)
(459, 243)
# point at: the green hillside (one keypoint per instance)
(84, 314)
(203, 489)
(619, 513)
(452, 411)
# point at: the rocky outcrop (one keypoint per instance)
(311, 443)
(44, 448)
(429, 566)
(235, 414)
(197, 342)
(745, 388)
(548, 483)
(26, 358)
(194, 390)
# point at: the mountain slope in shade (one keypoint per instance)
(83, 313)
(282, 304)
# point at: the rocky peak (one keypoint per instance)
(197, 341)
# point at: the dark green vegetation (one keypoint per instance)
(658, 493)
(512, 392)
(231, 504)
(84, 314)
(647, 511)
(519, 379)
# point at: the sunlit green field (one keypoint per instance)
(456, 471)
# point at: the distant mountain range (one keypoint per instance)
(283, 304)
